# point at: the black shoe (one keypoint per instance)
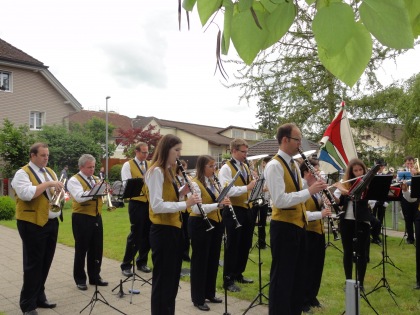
(408, 241)
(33, 312)
(376, 241)
(99, 282)
(233, 288)
(127, 273)
(144, 269)
(46, 304)
(417, 287)
(306, 309)
(202, 307)
(215, 300)
(245, 280)
(315, 303)
(82, 286)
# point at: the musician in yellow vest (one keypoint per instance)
(138, 211)
(205, 244)
(165, 233)
(239, 241)
(315, 238)
(288, 223)
(86, 224)
(37, 226)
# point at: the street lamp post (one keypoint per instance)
(106, 137)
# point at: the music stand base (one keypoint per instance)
(386, 285)
(95, 299)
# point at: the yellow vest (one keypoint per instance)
(206, 198)
(240, 201)
(173, 219)
(36, 210)
(89, 207)
(317, 225)
(136, 173)
(296, 214)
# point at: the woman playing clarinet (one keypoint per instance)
(165, 232)
(205, 243)
(354, 223)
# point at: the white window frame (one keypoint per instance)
(9, 78)
(34, 121)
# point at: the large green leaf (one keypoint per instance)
(388, 21)
(247, 37)
(188, 5)
(227, 25)
(413, 8)
(244, 5)
(349, 64)
(333, 26)
(206, 9)
(325, 3)
(279, 22)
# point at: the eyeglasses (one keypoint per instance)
(144, 152)
(296, 139)
(244, 152)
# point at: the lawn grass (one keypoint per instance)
(331, 295)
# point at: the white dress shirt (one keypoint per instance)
(75, 188)
(225, 176)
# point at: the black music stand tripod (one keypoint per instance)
(96, 193)
(329, 243)
(379, 191)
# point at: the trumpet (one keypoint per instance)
(57, 200)
(107, 198)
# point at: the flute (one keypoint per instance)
(190, 186)
(346, 181)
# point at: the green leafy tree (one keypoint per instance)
(268, 113)
(343, 29)
(14, 147)
(66, 147)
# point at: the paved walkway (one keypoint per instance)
(60, 287)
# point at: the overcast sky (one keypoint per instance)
(132, 51)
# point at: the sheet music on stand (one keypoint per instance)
(226, 189)
(379, 187)
(415, 187)
(133, 187)
(97, 190)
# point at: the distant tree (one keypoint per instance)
(66, 147)
(14, 147)
(130, 137)
(268, 113)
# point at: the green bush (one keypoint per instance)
(7, 208)
(115, 173)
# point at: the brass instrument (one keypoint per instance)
(416, 165)
(232, 211)
(57, 199)
(107, 198)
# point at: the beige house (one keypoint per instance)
(29, 93)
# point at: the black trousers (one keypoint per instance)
(138, 238)
(88, 237)
(287, 275)
(348, 233)
(187, 242)
(38, 244)
(417, 225)
(166, 243)
(409, 210)
(315, 257)
(205, 256)
(238, 243)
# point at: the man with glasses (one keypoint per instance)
(239, 241)
(138, 211)
(288, 224)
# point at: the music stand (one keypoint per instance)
(133, 188)
(95, 192)
(356, 193)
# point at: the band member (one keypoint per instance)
(205, 244)
(86, 224)
(409, 209)
(407, 197)
(354, 223)
(138, 212)
(34, 186)
(288, 222)
(165, 232)
(185, 215)
(239, 241)
(315, 237)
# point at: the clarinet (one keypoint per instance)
(190, 186)
(237, 224)
(325, 194)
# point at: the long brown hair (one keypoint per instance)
(161, 154)
(349, 171)
(202, 161)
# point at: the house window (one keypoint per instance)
(5, 81)
(237, 133)
(251, 135)
(36, 120)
